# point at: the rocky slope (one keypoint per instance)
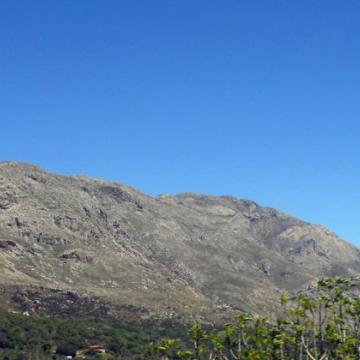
(170, 254)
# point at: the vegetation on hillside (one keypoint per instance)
(37, 338)
(320, 324)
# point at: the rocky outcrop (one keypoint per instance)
(62, 303)
(77, 256)
(7, 244)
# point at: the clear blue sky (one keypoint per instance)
(255, 99)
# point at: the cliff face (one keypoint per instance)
(186, 252)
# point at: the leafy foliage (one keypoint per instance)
(321, 325)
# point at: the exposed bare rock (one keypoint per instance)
(7, 244)
(7, 200)
(77, 255)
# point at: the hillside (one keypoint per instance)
(163, 255)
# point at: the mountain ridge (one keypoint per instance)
(184, 253)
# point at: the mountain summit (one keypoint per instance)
(165, 254)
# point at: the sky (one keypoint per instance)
(257, 99)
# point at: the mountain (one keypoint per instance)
(93, 242)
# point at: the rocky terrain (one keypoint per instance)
(167, 255)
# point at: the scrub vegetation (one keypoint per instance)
(319, 324)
